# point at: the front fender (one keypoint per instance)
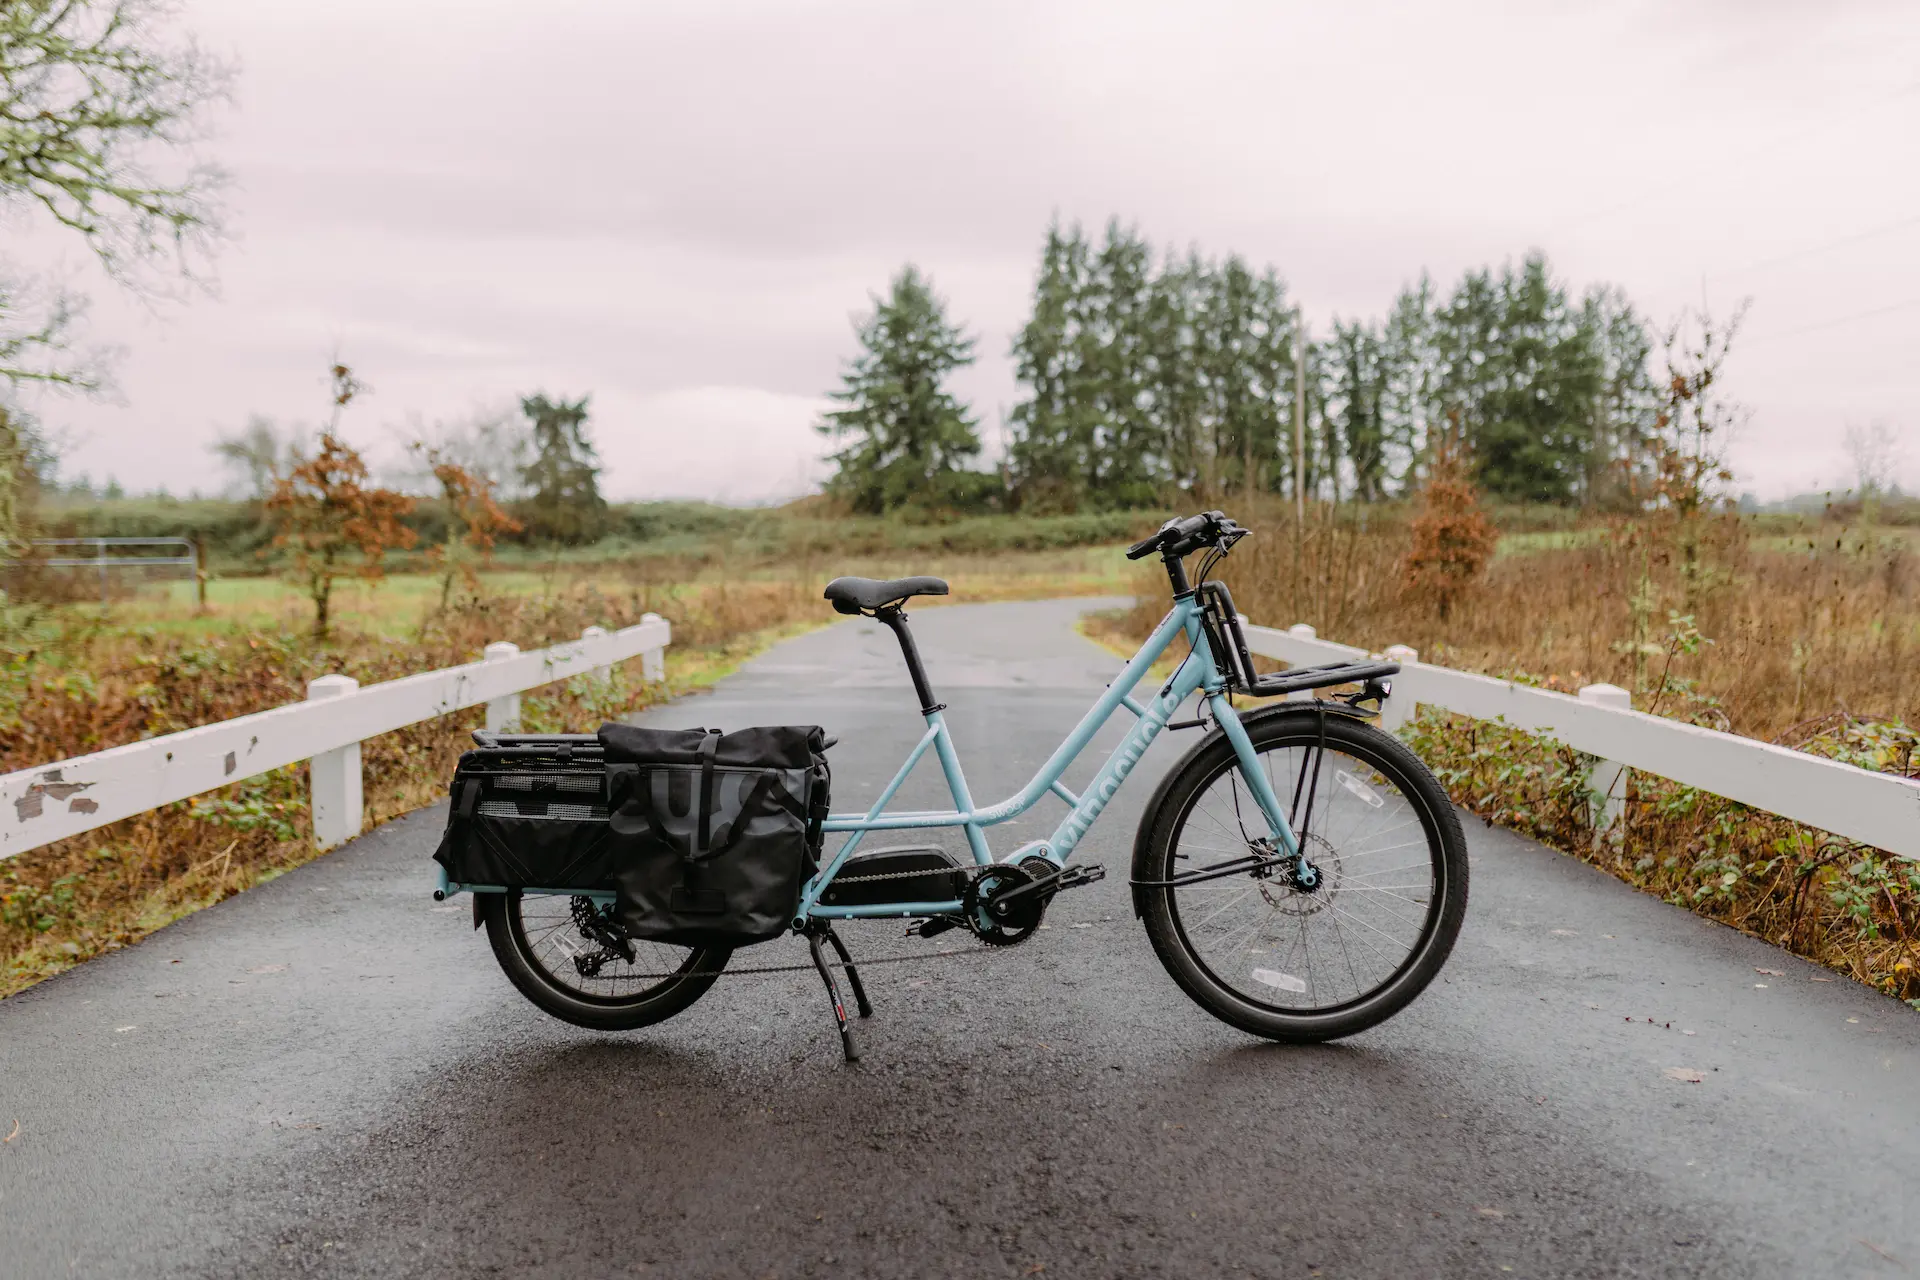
(1258, 716)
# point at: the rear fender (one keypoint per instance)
(1307, 712)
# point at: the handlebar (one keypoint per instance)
(1177, 537)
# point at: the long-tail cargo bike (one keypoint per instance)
(1300, 873)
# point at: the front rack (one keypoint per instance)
(1228, 640)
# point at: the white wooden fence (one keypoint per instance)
(53, 801)
(1877, 809)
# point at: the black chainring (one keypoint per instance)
(1022, 916)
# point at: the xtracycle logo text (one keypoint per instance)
(1131, 750)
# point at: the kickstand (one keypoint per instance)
(853, 974)
(833, 993)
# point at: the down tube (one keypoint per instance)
(1196, 671)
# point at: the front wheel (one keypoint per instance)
(555, 950)
(1304, 954)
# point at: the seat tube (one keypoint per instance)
(957, 786)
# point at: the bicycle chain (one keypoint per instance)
(982, 950)
(855, 963)
(905, 875)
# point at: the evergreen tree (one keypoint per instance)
(1145, 384)
(563, 479)
(1626, 409)
(1046, 453)
(907, 438)
(1124, 460)
(1408, 369)
(1176, 387)
(1243, 338)
(1358, 391)
(1523, 370)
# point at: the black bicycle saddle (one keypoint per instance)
(853, 595)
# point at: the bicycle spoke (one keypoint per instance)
(1342, 939)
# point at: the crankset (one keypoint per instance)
(996, 919)
(1004, 904)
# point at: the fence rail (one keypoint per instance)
(1878, 809)
(100, 561)
(53, 801)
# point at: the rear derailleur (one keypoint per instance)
(1004, 904)
(597, 925)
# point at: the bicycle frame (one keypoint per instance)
(1200, 671)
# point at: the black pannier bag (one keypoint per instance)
(703, 837)
(716, 831)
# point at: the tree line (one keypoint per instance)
(1152, 378)
(537, 459)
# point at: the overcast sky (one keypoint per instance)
(679, 208)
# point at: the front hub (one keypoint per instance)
(1306, 885)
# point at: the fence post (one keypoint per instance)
(333, 777)
(503, 713)
(1399, 707)
(600, 675)
(1607, 779)
(653, 662)
(199, 577)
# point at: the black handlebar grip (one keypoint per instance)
(1178, 535)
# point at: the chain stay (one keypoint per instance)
(1090, 874)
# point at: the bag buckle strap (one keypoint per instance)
(708, 746)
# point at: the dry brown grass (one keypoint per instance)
(1791, 629)
(1809, 640)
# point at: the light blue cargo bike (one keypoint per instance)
(1300, 873)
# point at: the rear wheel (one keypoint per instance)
(555, 950)
(1298, 954)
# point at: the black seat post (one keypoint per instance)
(897, 620)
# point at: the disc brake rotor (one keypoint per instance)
(1285, 897)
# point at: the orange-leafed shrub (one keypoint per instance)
(1452, 538)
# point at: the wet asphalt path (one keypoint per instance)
(329, 1076)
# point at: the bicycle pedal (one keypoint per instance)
(932, 927)
(1074, 877)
